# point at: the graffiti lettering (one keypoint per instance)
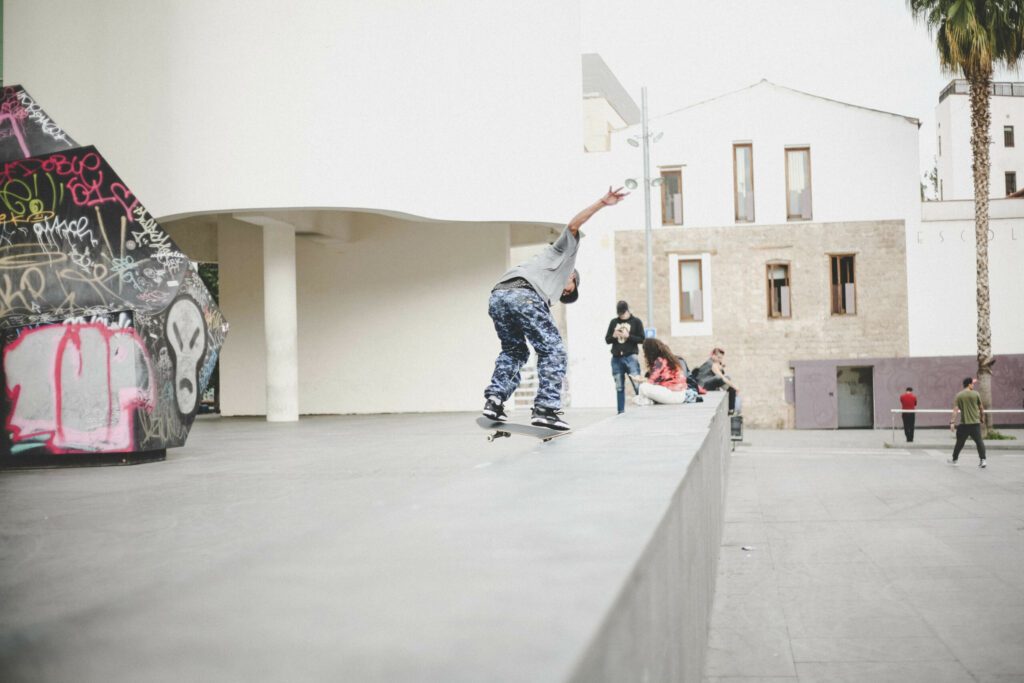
(78, 386)
(151, 235)
(30, 287)
(36, 114)
(52, 233)
(124, 268)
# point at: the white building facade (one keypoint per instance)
(954, 160)
(941, 276)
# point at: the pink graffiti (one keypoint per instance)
(78, 386)
(82, 175)
(15, 129)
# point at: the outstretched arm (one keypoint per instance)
(610, 198)
(717, 369)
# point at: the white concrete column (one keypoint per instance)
(281, 323)
(280, 317)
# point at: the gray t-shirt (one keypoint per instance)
(549, 271)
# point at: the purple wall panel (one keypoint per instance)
(936, 380)
(816, 404)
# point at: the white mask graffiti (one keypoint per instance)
(185, 333)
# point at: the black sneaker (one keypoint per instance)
(495, 410)
(548, 417)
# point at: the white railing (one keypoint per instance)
(948, 411)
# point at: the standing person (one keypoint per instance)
(711, 376)
(520, 307)
(968, 404)
(666, 381)
(908, 402)
(625, 331)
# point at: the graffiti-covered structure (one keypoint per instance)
(108, 336)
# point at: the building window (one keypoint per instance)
(778, 290)
(844, 287)
(691, 290)
(940, 145)
(1007, 136)
(1011, 182)
(743, 181)
(672, 197)
(942, 193)
(798, 183)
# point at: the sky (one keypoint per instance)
(865, 52)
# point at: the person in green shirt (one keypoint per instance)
(968, 404)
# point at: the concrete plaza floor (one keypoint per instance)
(869, 564)
(865, 563)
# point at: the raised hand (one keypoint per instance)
(613, 197)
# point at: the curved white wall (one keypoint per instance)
(220, 105)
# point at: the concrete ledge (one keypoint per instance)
(374, 549)
(657, 628)
(589, 559)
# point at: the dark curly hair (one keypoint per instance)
(654, 349)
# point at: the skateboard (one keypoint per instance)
(507, 429)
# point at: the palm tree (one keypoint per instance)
(973, 37)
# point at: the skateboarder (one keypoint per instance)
(520, 307)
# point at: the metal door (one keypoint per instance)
(855, 397)
(815, 396)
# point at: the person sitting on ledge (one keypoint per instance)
(666, 381)
(711, 377)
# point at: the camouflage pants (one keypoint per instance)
(521, 316)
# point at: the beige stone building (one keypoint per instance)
(780, 223)
(770, 291)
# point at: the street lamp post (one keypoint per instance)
(646, 139)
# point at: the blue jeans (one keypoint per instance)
(621, 366)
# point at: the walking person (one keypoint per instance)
(908, 401)
(625, 331)
(968, 405)
(520, 306)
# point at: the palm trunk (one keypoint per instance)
(980, 141)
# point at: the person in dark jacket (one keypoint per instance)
(625, 331)
(711, 376)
